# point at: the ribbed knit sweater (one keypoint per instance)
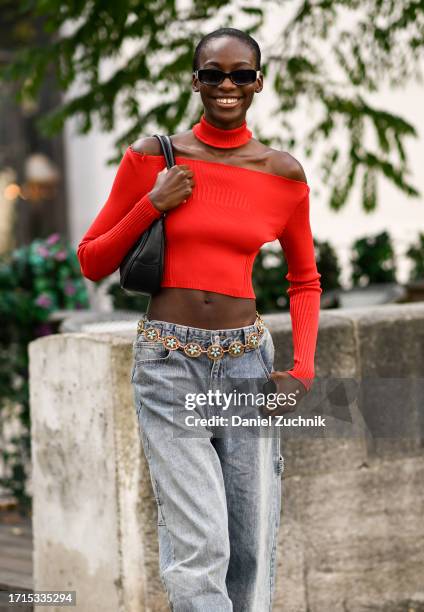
(212, 239)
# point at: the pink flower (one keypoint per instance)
(61, 255)
(53, 238)
(44, 300)
(42, 251)
(70, 288)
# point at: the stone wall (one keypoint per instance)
(352, 530)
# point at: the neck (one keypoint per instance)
(219, 137)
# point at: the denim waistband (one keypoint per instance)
(186, 333)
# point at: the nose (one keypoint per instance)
(227, 78)
(228, 86)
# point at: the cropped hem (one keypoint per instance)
(187, 284)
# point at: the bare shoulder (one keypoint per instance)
(148, 145)
(286, 165)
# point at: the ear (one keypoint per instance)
(193, 84)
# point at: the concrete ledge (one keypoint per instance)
(352, 533)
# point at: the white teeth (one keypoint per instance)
(227, 100)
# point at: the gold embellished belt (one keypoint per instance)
(194, 349)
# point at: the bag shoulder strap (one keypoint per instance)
(167, 151)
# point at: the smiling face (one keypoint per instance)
(227, 53)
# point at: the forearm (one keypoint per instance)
(304, 313)
(304, 291)
(100, 255)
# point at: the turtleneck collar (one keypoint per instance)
(218, 137)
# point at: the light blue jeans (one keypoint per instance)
(217, 486)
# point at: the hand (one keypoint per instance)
(172, 187)
(287, 392)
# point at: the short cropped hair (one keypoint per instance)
(246, 38)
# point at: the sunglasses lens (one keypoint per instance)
(210, 77)
(244, 77)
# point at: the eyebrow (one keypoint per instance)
(234, 64)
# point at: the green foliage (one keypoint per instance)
(328, 265)
(35, 280)
(269, 282)
(416, 253)
(325, 59)
(373, 260)
(269, 276)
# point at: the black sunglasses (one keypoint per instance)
(214, 76)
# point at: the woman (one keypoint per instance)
(218, 488)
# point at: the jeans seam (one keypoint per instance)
(273, 555)
(161, 512)
(274, 543)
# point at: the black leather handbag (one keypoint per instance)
(141, 269)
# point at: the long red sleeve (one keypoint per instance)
(304, 291)
(127, 213)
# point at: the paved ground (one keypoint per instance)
(15, 557)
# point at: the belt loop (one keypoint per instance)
(247, 330)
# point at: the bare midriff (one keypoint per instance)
(204, 309)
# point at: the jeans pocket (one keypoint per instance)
(146, 352)
(265, 353)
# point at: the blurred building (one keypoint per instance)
(32, 173)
